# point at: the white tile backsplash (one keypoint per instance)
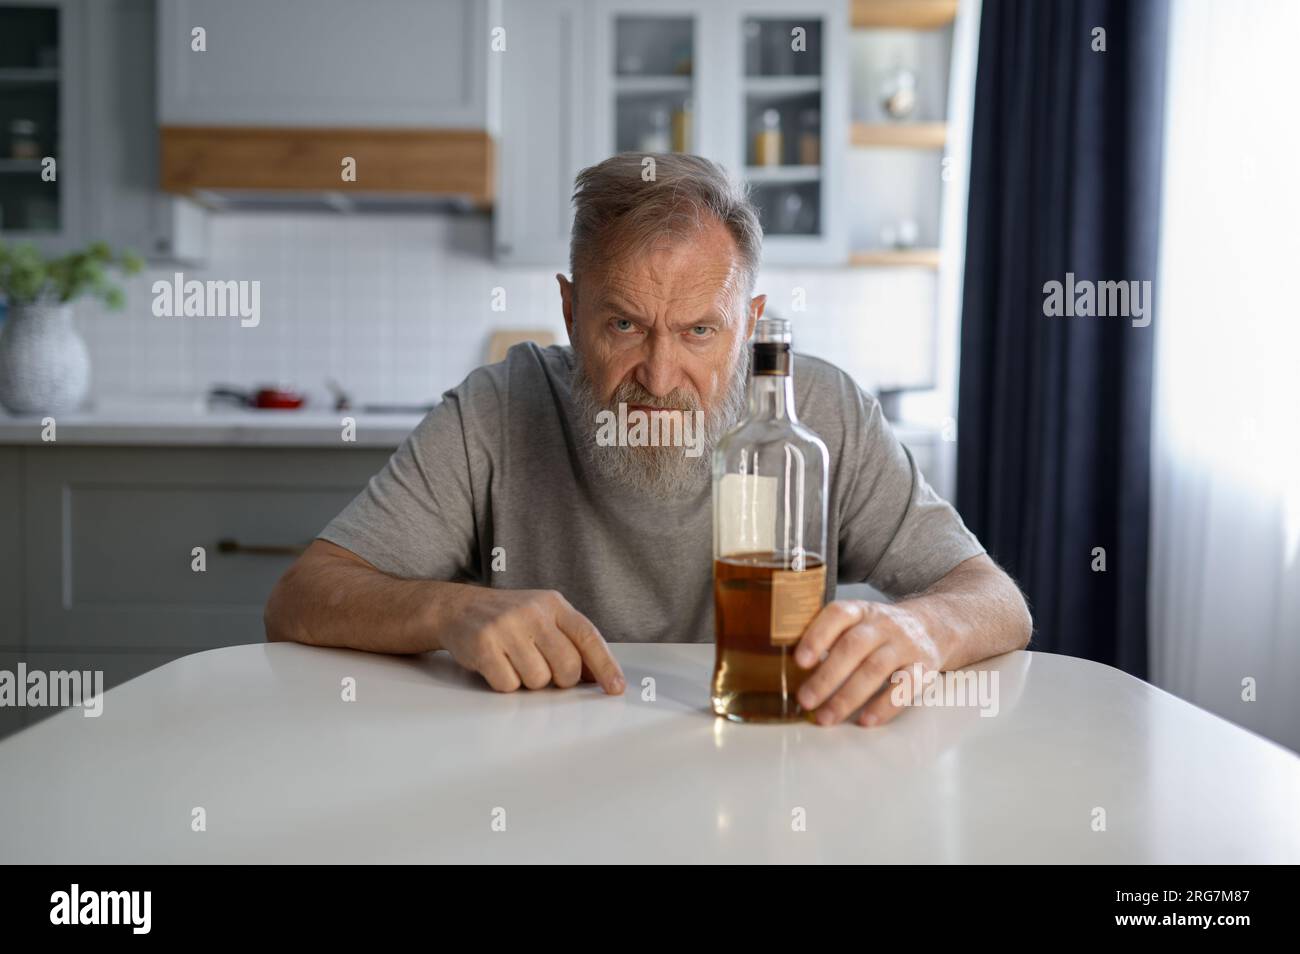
(398, 308)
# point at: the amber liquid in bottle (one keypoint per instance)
(755, 677)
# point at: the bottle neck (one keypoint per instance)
(771, 397)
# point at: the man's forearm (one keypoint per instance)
(325, 600)
(974, 612)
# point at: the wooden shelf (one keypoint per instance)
(923, 257)
(415, 161)
(899, 135)
(902, 14)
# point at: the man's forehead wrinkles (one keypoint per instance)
(625, 291)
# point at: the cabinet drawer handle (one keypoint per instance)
(234, 546)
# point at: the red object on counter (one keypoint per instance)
(276, 398)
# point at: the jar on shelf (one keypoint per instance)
(899, 235)
(656, 137)
(682, 117)
(898, 93)
(23, 143)
(767, 141)
(810, 137)
(683, 62)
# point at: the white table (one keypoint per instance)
(260, 738)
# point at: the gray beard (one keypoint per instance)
(664, 473)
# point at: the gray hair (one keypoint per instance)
(617, 209)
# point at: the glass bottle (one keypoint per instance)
(767, 141)
(682, 127)
(23, 143)
(769, 541)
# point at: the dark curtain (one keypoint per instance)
(1053, 449)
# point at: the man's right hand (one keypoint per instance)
(333, 597)
(527, 637)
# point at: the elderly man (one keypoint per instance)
(504, 533)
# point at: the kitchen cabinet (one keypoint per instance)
(11, 547)
(545, 93)
(125, 207)
(326, 63)
(93, 104)
(787, 125)
(684, 75)
(660, 85)
(257, 101)
(110, 534)
(96, 561)
(42, 112)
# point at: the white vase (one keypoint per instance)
(44, 365)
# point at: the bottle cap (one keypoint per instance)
(771, 348)
(772, 330)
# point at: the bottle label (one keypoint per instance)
(796, 598)
(746, 513)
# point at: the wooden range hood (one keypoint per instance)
(419, 162)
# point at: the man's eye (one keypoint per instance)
(622, 324)
(701, 331)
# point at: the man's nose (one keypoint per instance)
(660, 373)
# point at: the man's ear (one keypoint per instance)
(756, 305)
(566, 301)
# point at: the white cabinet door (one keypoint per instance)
(546, 106)
(108, 538)
(417, 63)
(788, 61)
(119, 75)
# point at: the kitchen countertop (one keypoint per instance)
(1079, 762)
(225, 427)
(148, 425)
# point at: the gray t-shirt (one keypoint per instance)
(498, 464)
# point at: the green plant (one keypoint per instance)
(27, 276)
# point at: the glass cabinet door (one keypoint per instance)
(757, 85)
(30, 205)
(653, 83)
(783, 109)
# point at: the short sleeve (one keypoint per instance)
(415, 518)
(896, 532)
